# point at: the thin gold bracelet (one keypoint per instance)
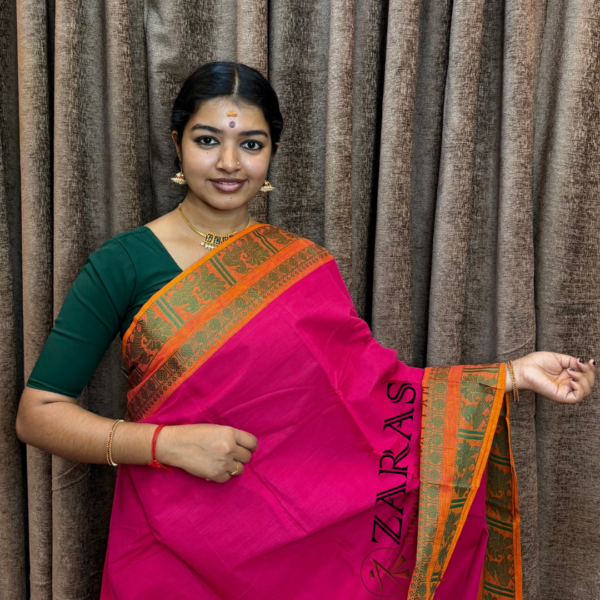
(514, 381)
(109, 459)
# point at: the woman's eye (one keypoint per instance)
(206, 140)
(252, 145)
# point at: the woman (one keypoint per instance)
(294, 456)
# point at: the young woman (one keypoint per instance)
(272, 448)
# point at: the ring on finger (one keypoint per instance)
(236, 469)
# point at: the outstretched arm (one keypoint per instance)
(558, 377)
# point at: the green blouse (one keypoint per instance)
(110, 289)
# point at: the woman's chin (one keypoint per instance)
(222, 201)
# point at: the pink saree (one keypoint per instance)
(371, 478)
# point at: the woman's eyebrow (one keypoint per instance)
(216, 130)
(254, 132)
(207, 127)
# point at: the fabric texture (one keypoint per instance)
(447, 153)
(339, 407)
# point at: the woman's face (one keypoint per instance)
(225, 152)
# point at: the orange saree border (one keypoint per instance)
(213, 309)
(466, 427)
(179, 277)
(199, 311)
(194, 291)
(502, 516)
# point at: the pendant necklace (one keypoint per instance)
(211, 240)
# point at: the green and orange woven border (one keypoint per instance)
(466, 427)
(192, 316)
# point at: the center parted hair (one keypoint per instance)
(235, 80)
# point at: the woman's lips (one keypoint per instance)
(226, 187)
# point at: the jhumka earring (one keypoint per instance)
(267, 187)
(179, 177)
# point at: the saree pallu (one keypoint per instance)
(371, 478)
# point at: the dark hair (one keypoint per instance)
(232, 79)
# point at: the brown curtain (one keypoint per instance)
(445, 152)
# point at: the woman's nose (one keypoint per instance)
(228, 160)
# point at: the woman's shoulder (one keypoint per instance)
(130, 246)
(132, 237)
(124, 256)
(122, 241)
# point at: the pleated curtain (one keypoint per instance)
(446, 152)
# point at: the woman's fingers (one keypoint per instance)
(569, 392)
(245, 439)
(579, 384)
(235, 463)
(586, 375)
(237, 468)
(575, 375)
(567, 361)
(242, 454)
(233, 469)
(577, 390)
(581, 376)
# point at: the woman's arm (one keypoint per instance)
(49, 416)
(555, 376)
(57, 424)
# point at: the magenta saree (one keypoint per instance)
(371, 478)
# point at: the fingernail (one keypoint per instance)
(571, 370)
(580, 360)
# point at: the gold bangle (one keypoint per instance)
(514, 381)
(109, 459)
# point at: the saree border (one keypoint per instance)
(177, 279)
(502, 517)
(462, 428)
(204, 283)
(201, 309)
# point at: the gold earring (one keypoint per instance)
(179, 177)
(267, 187)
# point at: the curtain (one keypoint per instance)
(446, 153)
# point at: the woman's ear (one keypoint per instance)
(175, 141)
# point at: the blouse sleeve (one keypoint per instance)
(87, 323)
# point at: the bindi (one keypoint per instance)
(232, 113)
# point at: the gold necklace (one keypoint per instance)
(211, 240)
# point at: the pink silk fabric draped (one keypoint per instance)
(327, 507)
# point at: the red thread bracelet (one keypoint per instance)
(154, 462)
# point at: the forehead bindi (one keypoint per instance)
(225, 116)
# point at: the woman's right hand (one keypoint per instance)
(206, 450)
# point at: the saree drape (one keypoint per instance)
(370, 475)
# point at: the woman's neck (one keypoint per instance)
(206, 218)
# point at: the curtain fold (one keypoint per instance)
(392, 272)
(514, 310)
(338, 152)
(566, 193)
(370, 33)
(445, 152)
(35, 58)
(13, 501)
(455, 186)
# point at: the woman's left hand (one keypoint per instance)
(558, 377)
